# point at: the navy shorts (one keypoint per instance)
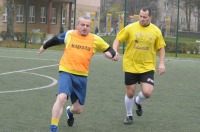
(73, 85)
(146, 77)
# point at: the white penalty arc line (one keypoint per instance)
(37, 88)
(24, 71)
(27, 69)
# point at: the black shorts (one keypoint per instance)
(146, 77)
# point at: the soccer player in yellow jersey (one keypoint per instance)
(80, 45)
(143, 39)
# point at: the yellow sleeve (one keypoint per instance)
(122, 36)
(99, 44)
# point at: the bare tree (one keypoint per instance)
(112, 7)
(10, 21)
(134, 6)
(197, 3)
(187, 6)
(198, 20)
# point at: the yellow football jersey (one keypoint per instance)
(141, 48)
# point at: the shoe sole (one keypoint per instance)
(69, 123)
(128, 123)
(139, 113)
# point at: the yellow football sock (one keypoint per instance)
(54, 121)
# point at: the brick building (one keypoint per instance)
(50, 16)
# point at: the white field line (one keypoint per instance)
(54, 82)
(24, 71)
(27, 69)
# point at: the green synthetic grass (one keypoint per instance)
(189, 56)
(182, 39)
(173, 107)
(108, 39)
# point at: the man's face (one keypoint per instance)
(83, 27)
(144, 18)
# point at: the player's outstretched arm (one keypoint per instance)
(52, 42)
(41, 50)
(109, 53)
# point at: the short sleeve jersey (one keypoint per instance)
(142, 45)
(78, 51)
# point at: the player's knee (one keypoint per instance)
(61, 98)
(147, 94)
(147, 91)
(130, 93)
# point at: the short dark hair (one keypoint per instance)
(147, 9)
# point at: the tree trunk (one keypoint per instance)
(10, 21)
(198, 21)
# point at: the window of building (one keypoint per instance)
(5, 14)
(63, 16)
(20, 13)
(53, 17)
(32, 14)
(43, 16)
